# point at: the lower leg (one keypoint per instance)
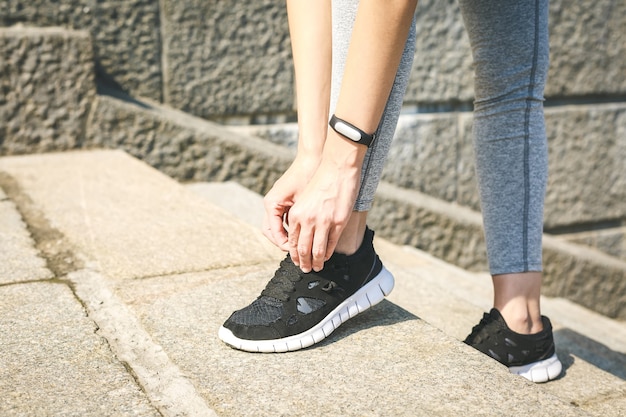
(517, 296)
(510, 48)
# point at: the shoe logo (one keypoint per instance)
(313, 284)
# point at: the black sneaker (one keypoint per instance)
(297, 309)
(532, 356)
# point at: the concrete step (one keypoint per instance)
(150, 270)
(591, 346)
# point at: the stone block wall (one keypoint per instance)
(182, 146)
(587, 53)
(587, 49)
(225, 59)
(610, 241)
(126, 36)
(231, 62)
(46, 89)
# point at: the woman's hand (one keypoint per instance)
(322, 210)
(279, 200)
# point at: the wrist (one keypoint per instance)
(343, 152)
(306, 163)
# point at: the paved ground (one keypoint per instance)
(115, 279)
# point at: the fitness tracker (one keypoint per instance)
(350, 131)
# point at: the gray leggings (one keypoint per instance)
(509, 40)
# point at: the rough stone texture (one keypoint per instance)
(161, 227)
(185, 147)
(433, 154)
(588, 277)
(46, 89)
(610, 241)
(587, 150)
(447, 231)
(284, 134)
(424, 155)
(127, 45)
(19, 260)
(53, 363)
(219, 59)
(370, 351)
(126, 36)
(587, 48)
(587, 53)
(442, 67)
(586, 41)
(227, 58)
(170, 391)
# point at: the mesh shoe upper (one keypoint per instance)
(493, 337)
(294, 301)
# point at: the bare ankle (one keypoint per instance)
(521, 320)
(349, 246)
(352, 236)
(517, 298)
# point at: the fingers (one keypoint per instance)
(275, 232)
(320, 250)
(308, 247)
(331, 241)
(273, 227)
(297, 246)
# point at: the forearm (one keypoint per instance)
(311, 36)
(378, 38)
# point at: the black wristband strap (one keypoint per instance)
(350, 131)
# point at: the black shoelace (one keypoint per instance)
(283, 283)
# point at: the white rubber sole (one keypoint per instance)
(542, 371)
(370, 294)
